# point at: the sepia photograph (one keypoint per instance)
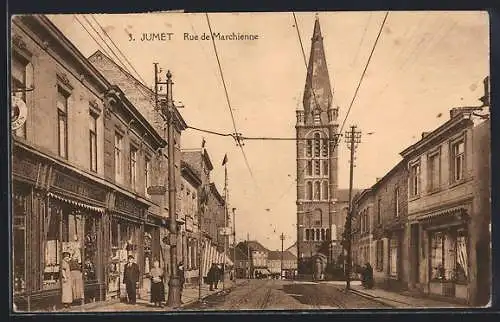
(265, 161)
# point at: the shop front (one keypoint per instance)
(394, 232)
(126, 239)
(447, 252)
(55, 211)
(152, 248)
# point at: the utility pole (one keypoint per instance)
(174, 294)
(282, 237)
(225, 235)
(352, 138)
(234, 243)
(201, 213)
(248, 257)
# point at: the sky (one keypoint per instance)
(424, 64)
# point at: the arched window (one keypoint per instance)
(328, 234)
(317, 145)
(317, 168)
(309, 148)
(309, 193)
(307, 234)
(317, 234)
(325, 168)
(323, 237)
(317, 191)
(309, 168)
(324, 148)
(325, 190)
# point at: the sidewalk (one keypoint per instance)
(190, 295)
(398, 300)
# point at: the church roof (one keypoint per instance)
(317, 91)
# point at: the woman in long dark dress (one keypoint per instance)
(157, 285)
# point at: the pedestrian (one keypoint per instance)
(157, 284)
(213, 276)
(67, 283)
(131, 279)
(76, 276)
(182, 279)
(221, 274)
(368, 276)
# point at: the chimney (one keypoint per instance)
(377, 179)
(424, 134)
(453, 112)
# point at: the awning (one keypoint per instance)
(453, 214)
(76, 203)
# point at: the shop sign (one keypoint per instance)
(18, 112)
(79, 187)
(124, 204)
(157, 190)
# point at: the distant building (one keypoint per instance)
(274, 259)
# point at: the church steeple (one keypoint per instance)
(318, 95)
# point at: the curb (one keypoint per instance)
(374, 298)
(206, 296)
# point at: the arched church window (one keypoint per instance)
(317, 234)
(323, 237)
(325, 167)
(325, 190)
(324, 148)
(309, 193)
(309, 148)
(328, 234)
(317, 145)
(317, 191)
(317, 167)
(309, 168)
(307, 234)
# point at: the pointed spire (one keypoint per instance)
(318, 91)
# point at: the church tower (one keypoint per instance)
(316, 130)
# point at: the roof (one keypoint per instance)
(256, 246)
(190, 174)
(216, 193)
(276, 255)
(343, 194)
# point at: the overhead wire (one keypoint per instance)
(118, 49)
(228, 101)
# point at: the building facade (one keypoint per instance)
(316, 130)
(449, 210)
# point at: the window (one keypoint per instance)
(437, 256)
(414, 180)
(317, 116)
(449, 260)
(324, 148)
(318, 234)
(22, 78)
(309, 190)
(393, 259)
(309, 168)
(307, 234)
(325, 168)
(52, 249)
(325, 190)
(396, 202)
(317, 191)
(133, 167)
(317, 168)
(323, 236)
(309, 148)
(20, 205)
(379, 211)
(317, 145)
(458, 158)
(380, 255)
(62, 124)
(434, 171)
(118, 158)
(93, 141)
(147, 174)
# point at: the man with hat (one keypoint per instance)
(131, 279)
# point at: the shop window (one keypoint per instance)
(52, 249)
(20, 208)
(393, 259)
(437, 256)
(148, 252)
(90, 248)
(461, 270)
